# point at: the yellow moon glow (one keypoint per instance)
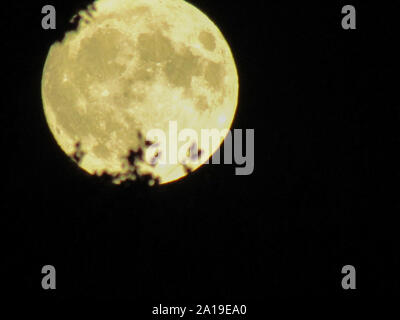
(133, 66)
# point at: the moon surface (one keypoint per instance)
(132, 66)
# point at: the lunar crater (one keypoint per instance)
(207, 40)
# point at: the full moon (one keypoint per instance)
(133, 66)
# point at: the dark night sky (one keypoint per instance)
(324, 193)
